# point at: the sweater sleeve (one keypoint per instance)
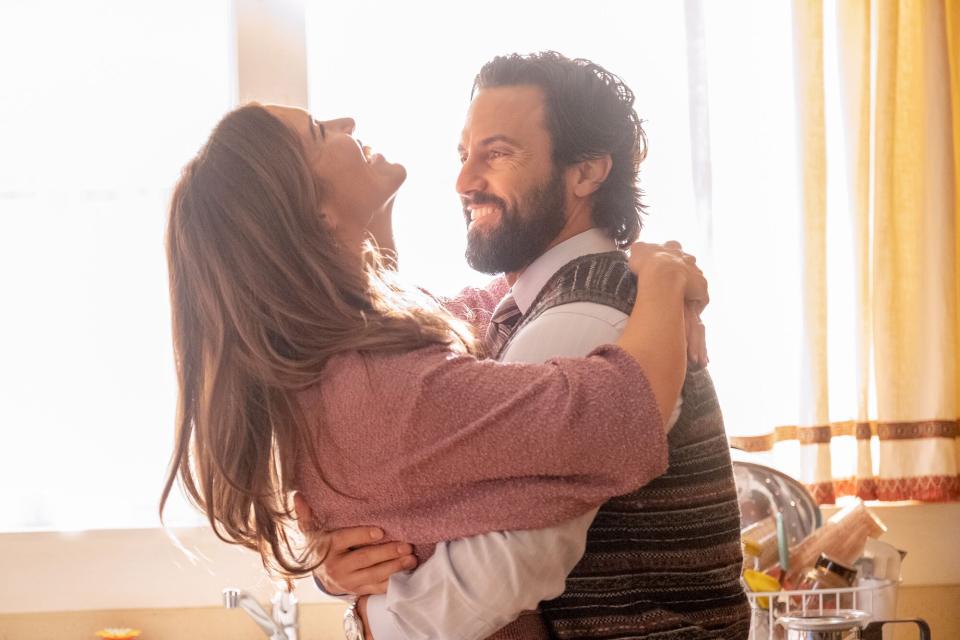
(489, 446)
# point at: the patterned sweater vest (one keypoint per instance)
(663, 561)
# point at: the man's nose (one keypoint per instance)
(470, 180)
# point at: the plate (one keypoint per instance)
(763, 492)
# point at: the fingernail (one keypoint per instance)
(409, 563)
(376, 534)
(404, 549)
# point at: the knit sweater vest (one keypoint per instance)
(663, 561)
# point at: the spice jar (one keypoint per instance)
(827, 573)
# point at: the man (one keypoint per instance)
(550, 151)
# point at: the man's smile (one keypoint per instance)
(477, 213)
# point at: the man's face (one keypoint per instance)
(513, 196)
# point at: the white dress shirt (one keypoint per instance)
(471, 587)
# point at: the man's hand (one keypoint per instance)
(355, 564)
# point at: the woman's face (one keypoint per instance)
(357, 183)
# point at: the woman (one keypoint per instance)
(303, 365)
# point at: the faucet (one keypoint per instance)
(283, 624)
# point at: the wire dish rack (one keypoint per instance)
(878, 598)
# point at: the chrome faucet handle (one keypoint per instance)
(285, 612)
(238, 599)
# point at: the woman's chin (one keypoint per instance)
(398, 171)
(397, 176)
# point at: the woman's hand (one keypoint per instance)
(696, 337)
(355, 563)
(653, 262)
(669, 261)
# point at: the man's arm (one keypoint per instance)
(473, 586)
(576, 328)
(481, 574)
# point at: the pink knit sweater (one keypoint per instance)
(476, 305)
(431, 445)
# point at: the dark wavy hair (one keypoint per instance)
(589, 113)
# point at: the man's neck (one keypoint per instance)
(574, 227)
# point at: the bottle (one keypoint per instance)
(843, 538)
(760, 544)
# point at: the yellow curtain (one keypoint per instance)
(914, 244)
(808, 70)
(900, 103)
(952, 14)
(853, 57)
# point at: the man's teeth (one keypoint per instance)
(480, 212)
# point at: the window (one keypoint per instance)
(114, 98)
(102, 103)
(409, 96)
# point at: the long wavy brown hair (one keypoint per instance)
(263, 294)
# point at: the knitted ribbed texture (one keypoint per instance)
(663, 561)
(529, 626)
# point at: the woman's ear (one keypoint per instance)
(589, 174)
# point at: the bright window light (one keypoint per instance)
(409, 96)
(99, 113)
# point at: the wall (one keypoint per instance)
(317, 622)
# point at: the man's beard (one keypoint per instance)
(522, 234)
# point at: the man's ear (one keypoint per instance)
(589, 174)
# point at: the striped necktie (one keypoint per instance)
(504, 320)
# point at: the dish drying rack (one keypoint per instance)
(781, 603)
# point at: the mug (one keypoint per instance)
(844, 624)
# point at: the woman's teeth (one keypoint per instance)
(481, 212)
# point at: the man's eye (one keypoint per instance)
(463, 158)
(496, 154)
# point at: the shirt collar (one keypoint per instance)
(534, 277)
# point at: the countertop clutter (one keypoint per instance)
(807, 576)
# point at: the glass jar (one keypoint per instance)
(827, 573)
